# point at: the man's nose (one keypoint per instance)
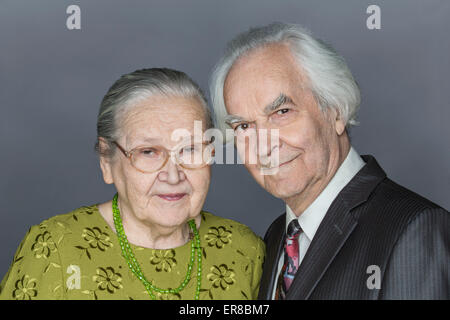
(268, 140)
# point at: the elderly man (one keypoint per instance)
(348, 232)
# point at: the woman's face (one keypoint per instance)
(172, 195)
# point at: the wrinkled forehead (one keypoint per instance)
(162, 120)
(264, 62)
(260, 76)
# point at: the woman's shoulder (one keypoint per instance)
(223, 228)
(80, 217)
(38, 268)
(231, 245)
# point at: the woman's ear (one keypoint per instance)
(105, 161)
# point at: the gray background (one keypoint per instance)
(52, 81)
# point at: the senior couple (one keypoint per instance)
(348, 232)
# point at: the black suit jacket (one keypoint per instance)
(372, 222)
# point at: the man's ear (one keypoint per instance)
(339, 124)
(105, 161)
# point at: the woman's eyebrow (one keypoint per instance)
(142, 140)
(147, 139)
(182, 137)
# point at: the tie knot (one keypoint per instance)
(293, 229)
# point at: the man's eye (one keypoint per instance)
(242, 126)
(282, 111)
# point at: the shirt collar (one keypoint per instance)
(311, 218)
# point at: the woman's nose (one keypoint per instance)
(171, 173)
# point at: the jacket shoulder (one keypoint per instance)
(387, 215)
(405, 196)
(396, 203)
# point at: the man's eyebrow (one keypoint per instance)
(279, 101)
(231, 119)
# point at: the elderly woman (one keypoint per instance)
(152, 240)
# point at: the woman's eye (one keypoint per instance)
(148, 152)
(188, 149)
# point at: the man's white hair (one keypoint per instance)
(328, 76)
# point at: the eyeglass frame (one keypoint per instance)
(169, 153)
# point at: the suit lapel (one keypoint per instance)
(337, 225)
(274, 247)
(330, 237)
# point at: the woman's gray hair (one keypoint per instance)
(329, 77)
(139, 85)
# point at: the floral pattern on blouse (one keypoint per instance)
(107, 279)
(218, 236)
(78, 256)
(25, 288)
(43, 245)
(163, 260)
(96, 238)
(221, 276)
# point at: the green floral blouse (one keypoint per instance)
(77, 256)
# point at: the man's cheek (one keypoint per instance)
(255, 172)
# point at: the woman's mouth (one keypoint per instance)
(172, 196)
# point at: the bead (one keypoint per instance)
(134, 265)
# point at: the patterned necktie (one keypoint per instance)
(291, 260)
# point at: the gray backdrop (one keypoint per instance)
(52, 80)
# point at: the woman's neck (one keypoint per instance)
(145, 234)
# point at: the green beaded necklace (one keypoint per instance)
(134, 265)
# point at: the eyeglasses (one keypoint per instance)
(149, 159)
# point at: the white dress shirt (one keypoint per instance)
(311, 218)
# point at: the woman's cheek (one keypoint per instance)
(200, 183)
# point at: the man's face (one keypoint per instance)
(268, 90)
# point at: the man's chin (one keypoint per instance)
(280, 188)
(283, 194)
